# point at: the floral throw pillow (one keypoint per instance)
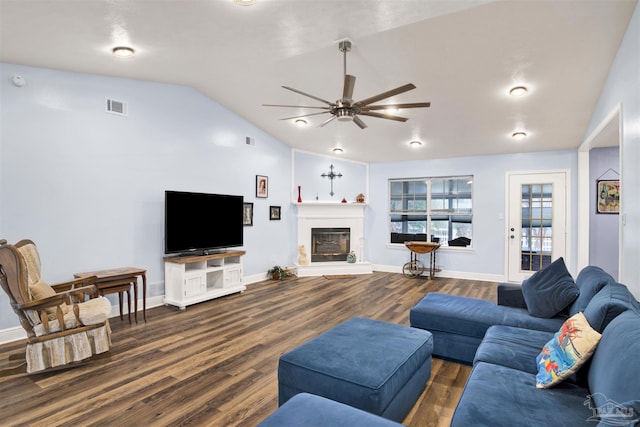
(566, 352)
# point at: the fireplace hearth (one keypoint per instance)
(330, 244)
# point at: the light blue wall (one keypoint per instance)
(88, 186)
(623, 87)
(488, 254)
(308, 169)
(603, 228)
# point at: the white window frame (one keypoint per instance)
(429, 213)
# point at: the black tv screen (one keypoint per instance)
(201, 221)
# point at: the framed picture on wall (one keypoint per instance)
(262, 186)
(608, 196)
(247, 213)
(274, 213)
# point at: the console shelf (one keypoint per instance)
(195, 278)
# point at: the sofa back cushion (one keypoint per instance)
(614, 371)
(589, 281)
(612, 300)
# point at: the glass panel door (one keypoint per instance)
(536, 233)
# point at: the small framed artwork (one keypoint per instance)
(247, 213)
(274, 213)
(608, 196)
(262, 186)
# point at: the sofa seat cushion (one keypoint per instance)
(550, 290)
(458, 323)
(309, 410)
(614, 371)
(499, 396)
(376, 366)
(512, 347)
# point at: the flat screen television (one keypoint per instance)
(201, 222)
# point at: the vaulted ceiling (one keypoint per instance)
(463, 56)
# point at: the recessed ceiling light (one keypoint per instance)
(519, 135)
(300, 122)
(518, 91)
(415, 143)
(338, 150)
(245, 2)
(123, 51)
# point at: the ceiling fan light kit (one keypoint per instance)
(345, 110)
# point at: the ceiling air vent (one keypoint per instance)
(116, 107)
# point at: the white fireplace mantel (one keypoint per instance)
(332, 215)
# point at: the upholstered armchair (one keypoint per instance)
(65, 323)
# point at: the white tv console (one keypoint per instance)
(193, 279)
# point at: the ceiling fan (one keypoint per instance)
(344, 109)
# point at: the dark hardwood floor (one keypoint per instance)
(215, 363)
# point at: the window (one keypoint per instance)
(436, 207)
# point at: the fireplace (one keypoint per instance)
(340, 229)
(330, 244)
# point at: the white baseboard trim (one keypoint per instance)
(484, 277)
(17, 333)
(12, 334)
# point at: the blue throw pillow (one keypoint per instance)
(549, 290)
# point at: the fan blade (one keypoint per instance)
(387, 94)
(305, 115)
(397, 106)
(295, 106)
(306, 94)
(384, 116)
(359, 122)
(327, 121)
(349, 83)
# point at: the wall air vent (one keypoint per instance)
(116, 107)
(250, 141)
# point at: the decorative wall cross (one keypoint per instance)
(331, 175)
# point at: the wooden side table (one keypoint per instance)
(120, 280)
(414, 267)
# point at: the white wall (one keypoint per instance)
(623, 86)
(88, 186)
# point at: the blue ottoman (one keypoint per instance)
(375, 366)
(309, 410)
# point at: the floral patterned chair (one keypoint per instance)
(65, 323)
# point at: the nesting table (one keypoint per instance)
(120, 280)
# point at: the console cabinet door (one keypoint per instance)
(195, 284)
(232, 276)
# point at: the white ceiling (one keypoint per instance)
(462, 55)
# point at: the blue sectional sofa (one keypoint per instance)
(504, 342)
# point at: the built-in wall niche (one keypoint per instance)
(307, 173)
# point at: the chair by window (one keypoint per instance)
(65, 323)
